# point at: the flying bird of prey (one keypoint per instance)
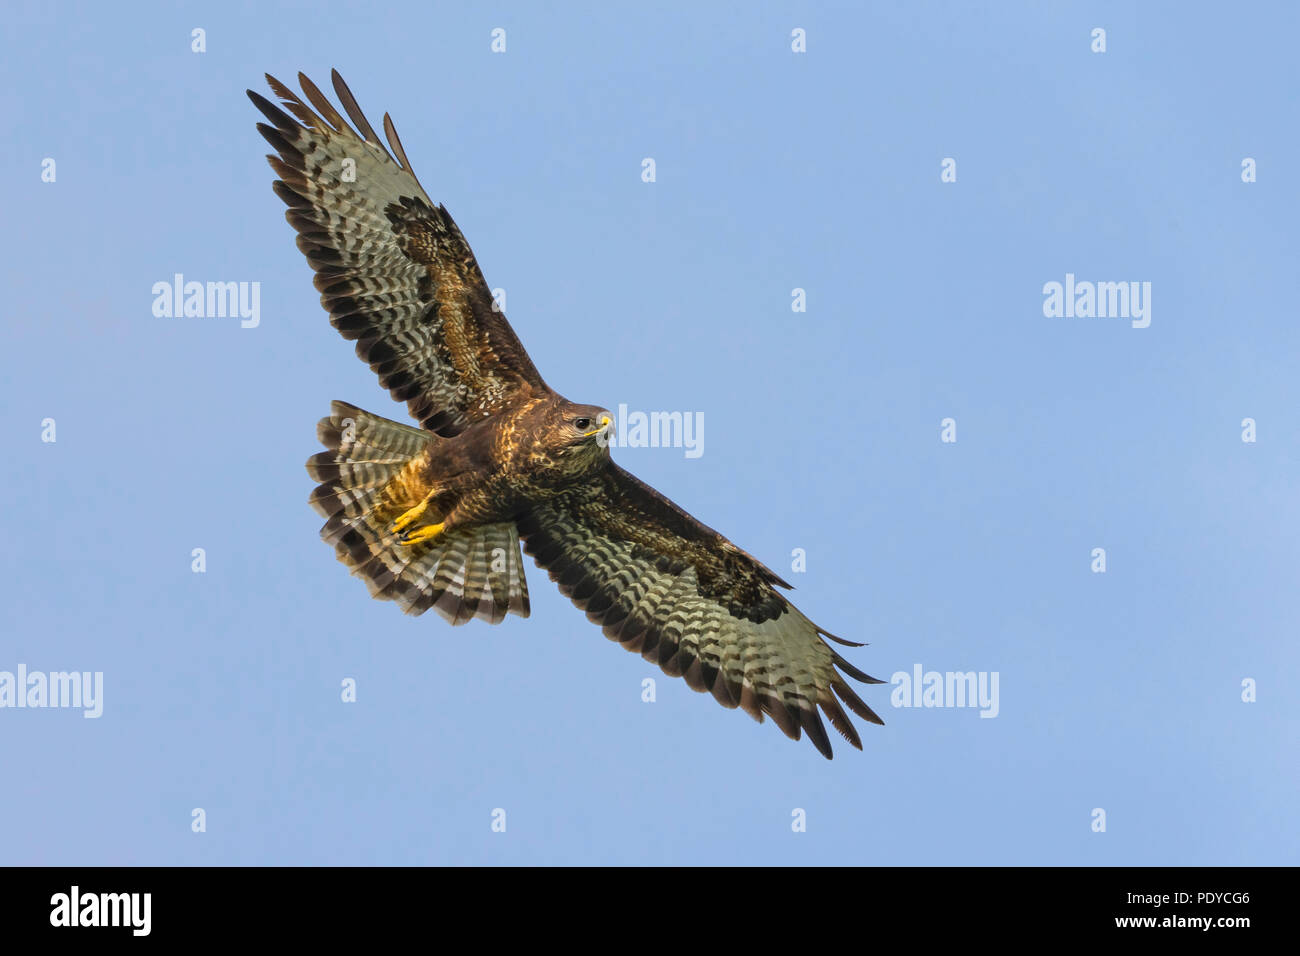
(433, 516)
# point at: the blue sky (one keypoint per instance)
(775, 170)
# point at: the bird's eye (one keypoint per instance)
(582, 424)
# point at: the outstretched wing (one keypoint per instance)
(393, 270)
(663, 584)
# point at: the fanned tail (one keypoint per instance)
(365, 478)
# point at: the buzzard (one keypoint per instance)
(434, 516)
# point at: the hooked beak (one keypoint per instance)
(606, 424)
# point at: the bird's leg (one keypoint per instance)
(437, 511)
(465, 512)
(410, 535)
(412, 515)
(429, 532)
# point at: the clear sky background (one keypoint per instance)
(775, 171)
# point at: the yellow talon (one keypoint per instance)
(410, 517)
(427, 533)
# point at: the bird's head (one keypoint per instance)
(579, 434)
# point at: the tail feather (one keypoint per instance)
(472, 572)
(477, 572)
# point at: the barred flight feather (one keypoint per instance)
(393, 269)
(776, 666)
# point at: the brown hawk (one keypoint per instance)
(434, 516)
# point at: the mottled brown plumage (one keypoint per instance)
(433, 516)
